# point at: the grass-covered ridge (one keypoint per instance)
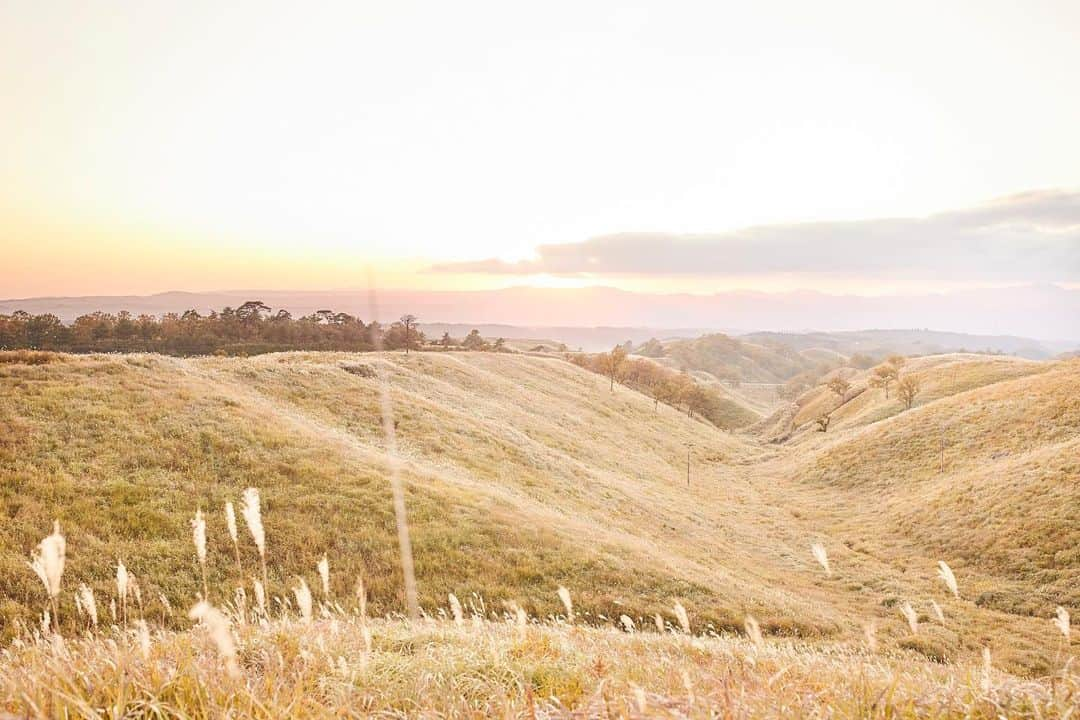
(524, 473)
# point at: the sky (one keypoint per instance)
(845, 147)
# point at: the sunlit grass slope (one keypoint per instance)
(990, 476)
(522, 473)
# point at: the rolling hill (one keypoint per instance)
(524, 473)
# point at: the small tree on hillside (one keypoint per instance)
(883, 376)
(897, 361)
(907, 389)
(612, 363)
(446, 341)
(840, 386)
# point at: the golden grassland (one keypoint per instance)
(524, 473)
(343, 666)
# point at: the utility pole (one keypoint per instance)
(941, 447)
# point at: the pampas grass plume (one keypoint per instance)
(1061, 622)
(218, 627)
(946, 574)
(324, 575)
(455, 610)
(564, 595)
(303, 600)
(753, 631)
(911, 616)
(683, 618)
(820, 554)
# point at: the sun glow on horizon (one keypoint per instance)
(156, 147)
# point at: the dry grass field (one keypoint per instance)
(523, 474)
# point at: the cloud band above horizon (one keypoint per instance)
(1029, 237)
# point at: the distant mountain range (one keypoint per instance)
(599, 316)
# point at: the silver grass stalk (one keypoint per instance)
(659, 624)
(324, 576)
(946, 574)
(260, 596)
(198, 532)
(122, 588)
(251, 509)
(911, 616)
(627, 623)
(88, 603)
(564, 595)
(683, 618)
(47, 562)
(753, 631)
(820, 554)
(455, 610)
(303, 600)
(218, 627)
(1061, 622)
(870, 634)
(937, 611)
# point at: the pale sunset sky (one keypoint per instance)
(674, 146)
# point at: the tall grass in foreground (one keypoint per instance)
(288, 662)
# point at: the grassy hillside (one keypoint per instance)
(990, 475)
(881, 343)
(524, 473)
(729, 358)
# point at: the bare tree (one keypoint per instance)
(907, 389)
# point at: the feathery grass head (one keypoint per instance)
(660, 628)
(218, 626)
(1061, 621)
(819, 553)
(260, 595)
(252, 512)
(121, 581)
(47, 562)
(937, 611)
(230, 522)
(870, 635)
(627, 623)
(564, 595)
(753, 631)
(683, 618)
(198, 531)
(911, 616)
(86, 599)
(946, 574)
(303, 599)
(455, 609)
(324, 575)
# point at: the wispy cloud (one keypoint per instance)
(1030, 237)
